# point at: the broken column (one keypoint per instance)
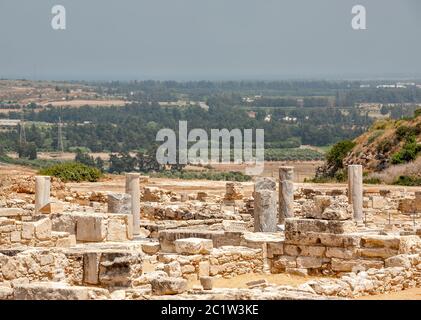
(286, 193)
(42, 192)
(355, 190)
(265, 211)
(133, 188)
(265, 205)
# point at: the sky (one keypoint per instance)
(209, 40)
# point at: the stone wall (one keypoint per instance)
(102, 268)
(94, 227)
(328, 253)
(15, 233)
(220, 238)
(196, 257)
(400, 272)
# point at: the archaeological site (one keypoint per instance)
(271, 238)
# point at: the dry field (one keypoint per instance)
(79, 103)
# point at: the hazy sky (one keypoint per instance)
(209, 39)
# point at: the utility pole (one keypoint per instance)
(60, 145)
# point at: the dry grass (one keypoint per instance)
(391, 174)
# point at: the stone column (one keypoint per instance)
(265, 211)
(42, 192)
(286, 193)
(355, 190)
(133, 188)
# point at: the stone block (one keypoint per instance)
(65, 222)
(400, 261)
(380, 241)
(275, 249)
(173, 269)
(50, 291)
(43, 228)
(11, 212)
(15, 236)
(340, 252)
(309, 262)
(120, 227)
(28, 230)
(283, 262)
(382, 253)
(378, 202)
(91, 228)
(52, 207)
(119, 268)
(193, 246)
(151, 247)
(341, 265)
(168, 286)
(206, 282)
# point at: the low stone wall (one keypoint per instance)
(15, 233)
(197, 258)
(329, 253)
(219, 238)
(94, 227)
(102, 268)
(401, 272)
(231, 260)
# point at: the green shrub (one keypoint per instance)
(417, 113)
(337, 154)
(372, 181)
(384, 146)
(408, 153)
(72, 171)
(406, 133)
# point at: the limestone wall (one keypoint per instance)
(15, 233)
(328, 253)
(401, 272)
(102, 268)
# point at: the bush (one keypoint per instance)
(384, 146)
(28, 151)
(72, 171)
(407, 133)
(337, 154)
(408, 153)
(372, 180)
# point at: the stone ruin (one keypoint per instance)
(149, 243)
